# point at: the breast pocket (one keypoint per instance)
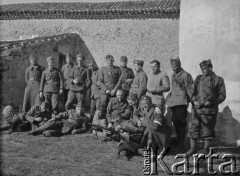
(48, 76)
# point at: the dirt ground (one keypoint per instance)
(72, 155)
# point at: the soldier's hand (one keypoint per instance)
(40, 94)
(61, 91)
(38, 119)
(97, 83)
(52, 120)
(139, 123)
(110, 125)
(207, 104)
(113, 92)
(238, 143)
(158, 110)
(75, 81)
(108, 92)
(129, 81)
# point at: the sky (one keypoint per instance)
(4, 2)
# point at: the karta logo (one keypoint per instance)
(152, 160)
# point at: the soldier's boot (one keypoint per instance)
(192, 149)
(52, 133)
(41, 129)
(206, 148)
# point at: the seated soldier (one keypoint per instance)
(11, 121)
(118, 107)
(156, 132)
(38, 115)
(99, 120)
(73, 121)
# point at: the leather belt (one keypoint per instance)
(154, 93)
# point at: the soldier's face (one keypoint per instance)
(68, 59)
(175, 68)
(137, 67)
(33, 61)
(91, 66)
(110, 62)
(43, 109)
(155, 68)
(206, 70)
(123, 64)
(80, 61)
(132, 102)
(120, 95)
(146, 105)
(51, 64)
(79, 110)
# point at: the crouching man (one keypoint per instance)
(156, 132)
(73, 121)
(13, 122)
(38, 115)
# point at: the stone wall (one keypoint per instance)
(210, 29)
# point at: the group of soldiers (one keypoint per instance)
(127, 103)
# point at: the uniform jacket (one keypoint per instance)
(66, 71)
(72, 116)
(33, 73)
(156, 131)
(35, 112)
(51, 81)
(127, 73)
(209, 88)
(180, 94)
(115, 107)
(109, 78)
(82, 75)
(139, 85)
(156, 86)
(95, 88)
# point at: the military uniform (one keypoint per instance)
(206, 88)
(78, 90)
(118, 108)
(95, 93)
(139, 85)
(36, 112)
(108, 80)
(158, 84)
(66, 71)
(31, 96)
(66, 123)
(156, 132)
(51, 83)
(127, 73)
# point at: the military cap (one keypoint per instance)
(206, 63)
(146, 98)
(124, 59)
(80, 104)
(31, 57)
(133, 97)
(50, 59)
(109, 57)
(175, 61)
(45, 105)
(138, 62)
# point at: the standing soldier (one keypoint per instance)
(95, 89)
(158, 83)
(208, 92)
(78, 80)
(127, 75)
(178, 99)
(32, 77)
(109, 81)
(66, 70)
(139, 85)
(51, 85)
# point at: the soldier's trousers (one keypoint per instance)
(205, 122)
(179, 115)
(95, 104)
(74, 96)
(105, 100)
(65, 95)
(52, 98)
